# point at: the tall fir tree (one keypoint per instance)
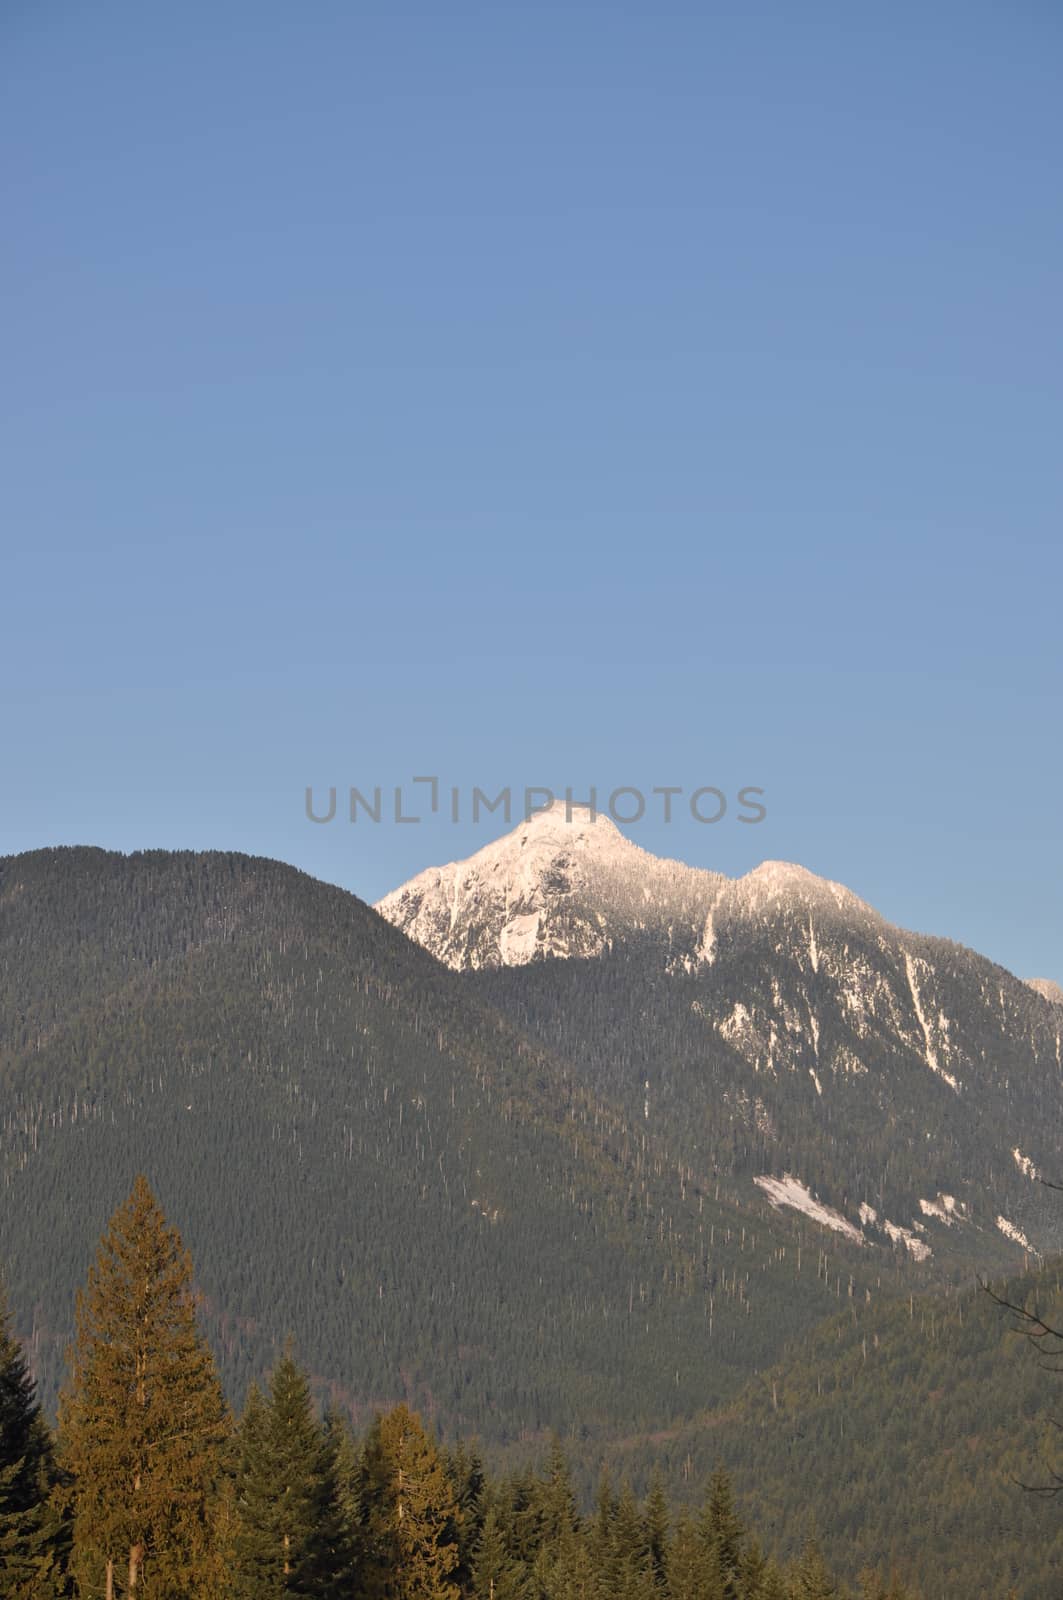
(465, 1470)
(495, 1575)
(341, 1519)
(292, 1537)
(600, 1532)
(32, 1534)
(723, 1534)
(691, 1574)
(409, 1513)
(517, 1505)
(143, 1423)
(752, 1568)
(628, 1573)
(560, 1559)
(567, 1570)
(555, 1497)
(657, 1522)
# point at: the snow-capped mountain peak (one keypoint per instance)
(558, 826)
(567, 883)
(777, 1004)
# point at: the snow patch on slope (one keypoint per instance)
(917, 1248)
(518, 938)
(1025, 1165)
(1010, 1231)
(706, 951)
(946, 1208)
(932, 1060)
(790, 1191)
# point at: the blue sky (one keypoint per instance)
(541, 394)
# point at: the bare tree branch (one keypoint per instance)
(1048, 1342)
(1031, 1325)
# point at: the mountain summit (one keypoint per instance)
(911, 1083)
(568, 883)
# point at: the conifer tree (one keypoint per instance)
(518, 1510)
(465, 1470)
(551, 1523)
(567, 1570)
(601, 1528)
(556, 1498)
(691, 1575)
(773, 1585)
(656, 1521)
(627, 1574)
(340, 1523)
(408, 1513)
(722, 1531)
(143, 1424)
(811, 1578)
(291, 1538)
(752, 1569)
(495, 1575)
(31, 1535)
(252, 1508)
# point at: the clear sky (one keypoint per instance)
(541, 394)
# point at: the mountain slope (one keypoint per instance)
(525, 1197)
(360, 1152)
(909, 1424)
(771, 1025)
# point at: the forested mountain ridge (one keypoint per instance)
(372, 1159)
(771, 1024)
(457, 1190)
(911, 1424)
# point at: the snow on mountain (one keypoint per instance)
(795, 1020)
(1010, 1231)
(569, 884)
(917, 1248)
(1047, 988)
(800, 974)
(790, 1191)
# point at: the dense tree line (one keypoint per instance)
(152, 1489)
